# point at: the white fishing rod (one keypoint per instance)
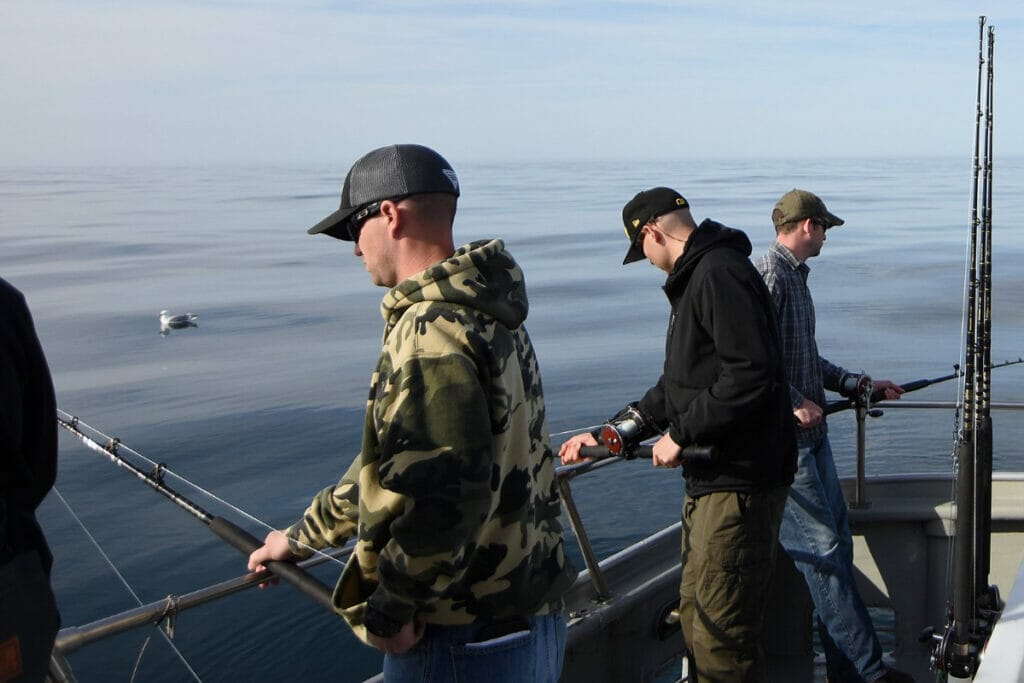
(229, 532)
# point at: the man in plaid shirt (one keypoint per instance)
(815, 527)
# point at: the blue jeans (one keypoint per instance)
(816, 534)
(455, 653)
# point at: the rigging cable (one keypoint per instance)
(164, 471)
(128, 587)
(227, 531)
(113, 451)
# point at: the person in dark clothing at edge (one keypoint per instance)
(723, 385)
(29, 619)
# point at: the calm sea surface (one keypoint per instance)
(261, 404)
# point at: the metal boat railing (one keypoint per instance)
(72, 638)
(567, 473)
(860, 499)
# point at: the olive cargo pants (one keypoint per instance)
(728, 553)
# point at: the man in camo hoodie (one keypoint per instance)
(459, 565)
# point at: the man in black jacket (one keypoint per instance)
(723, 385)
(28, 468)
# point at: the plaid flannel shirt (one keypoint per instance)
(809, 374)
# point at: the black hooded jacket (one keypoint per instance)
(28, 430)
(724, 381)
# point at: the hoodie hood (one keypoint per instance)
(480, 275)
(708, 236)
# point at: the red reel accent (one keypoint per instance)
(611, 439)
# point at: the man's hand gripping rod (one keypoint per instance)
(621, 437)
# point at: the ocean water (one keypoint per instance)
(261, 404)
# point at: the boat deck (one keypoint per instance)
(902, 545)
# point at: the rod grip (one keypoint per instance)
(914, 386)
(245, 542)
(691, 453)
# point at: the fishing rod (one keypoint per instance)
(622, 435)
(974, 607)
(229, 532)
(692, 453)
(958, 653)
(601, 456)
(876, 396)
(985, 256)
(988, 597)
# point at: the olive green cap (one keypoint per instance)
(796, 205)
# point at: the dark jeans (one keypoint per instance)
(28, 619)
(729, 548)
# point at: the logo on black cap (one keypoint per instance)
(645, 207)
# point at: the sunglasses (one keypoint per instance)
(359, 218)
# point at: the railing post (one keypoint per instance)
(859, 499)
(596, 577)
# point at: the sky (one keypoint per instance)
(323, 81)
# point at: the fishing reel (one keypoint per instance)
(950, 657)
(623, 433)
(854, 385)
(859, 389)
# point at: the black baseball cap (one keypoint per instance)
(388, 173)
(644, 208)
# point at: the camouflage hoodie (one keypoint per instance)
(453, 496)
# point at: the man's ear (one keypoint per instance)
(392, 213)
(654, 234)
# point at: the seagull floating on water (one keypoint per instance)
(170, 322)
